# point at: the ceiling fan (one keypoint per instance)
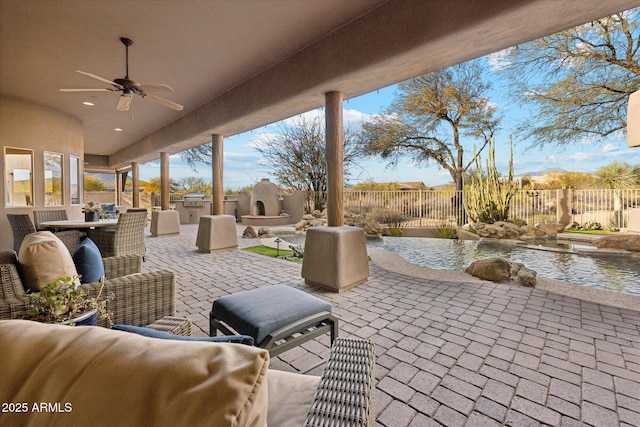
(128, 87)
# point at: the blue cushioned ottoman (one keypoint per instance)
(278, 317)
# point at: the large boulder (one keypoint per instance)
(626, 242)
(496, 269)
(532, 232)
(498, 230)
(523, 275)
(265, 233)
(550, 229)
(249, 233)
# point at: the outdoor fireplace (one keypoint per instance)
(266, 206)
(265, 200)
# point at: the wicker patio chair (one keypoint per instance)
(70, 238)
(140, 299)
(126, 238)
(21, 225)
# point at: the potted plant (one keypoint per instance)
(91, 212)
(61, 301)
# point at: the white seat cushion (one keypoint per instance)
(290, 396)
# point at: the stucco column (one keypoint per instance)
(135, 184)
(217, 145)
(118, 188)
(335, 167)
(164, 181)
(564, 199)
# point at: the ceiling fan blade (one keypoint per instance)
(165, 102)
(93, 76)
(84, 90)
(156, 88)
(124, 102)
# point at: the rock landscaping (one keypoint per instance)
(317, 219)
(496, 269)
(508, 230)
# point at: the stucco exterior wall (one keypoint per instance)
(30, 126)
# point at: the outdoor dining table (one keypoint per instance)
(79, 223)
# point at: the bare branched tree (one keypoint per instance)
(296, 156)
(579, 80)
(429, 118)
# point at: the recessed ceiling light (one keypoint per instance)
(118, 130)
(91, 104)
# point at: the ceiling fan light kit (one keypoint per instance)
(124, 103)
(128, 86)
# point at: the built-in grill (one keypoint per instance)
(193, 200)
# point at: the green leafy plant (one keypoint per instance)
(591, 225)
(446, 230)
(393, 219)
(395, 228)
(62, 300)
(91, 207)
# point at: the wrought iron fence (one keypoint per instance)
(609, 208)
(438, 208)
(435, 208)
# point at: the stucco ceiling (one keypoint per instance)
(237, 65)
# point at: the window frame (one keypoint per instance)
(9, 185)
(59, 160)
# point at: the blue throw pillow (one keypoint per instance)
(108, 207)
(153, 333)
(88, 261)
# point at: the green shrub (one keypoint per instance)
(591, 225)
(446, 230)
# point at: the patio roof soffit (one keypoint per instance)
(395, 42)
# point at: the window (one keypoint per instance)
(53, 195)
(74, 172)
(18, 177)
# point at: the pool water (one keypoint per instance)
(604, 270)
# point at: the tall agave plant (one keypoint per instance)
(489, 196)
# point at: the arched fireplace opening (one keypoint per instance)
(260, 208)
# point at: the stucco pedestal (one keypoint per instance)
(165, 222)
(216, 232)
(634, 221)
(335, 258)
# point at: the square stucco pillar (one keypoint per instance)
(165, 222)
(634, 221)
(216, 232)
(335, 258)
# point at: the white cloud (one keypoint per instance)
(309, 115)
(581, 156)
(350, 117)
(230, 155)
(609, 148)
(354, 118)
(498, 61)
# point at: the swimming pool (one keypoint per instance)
(604, 270)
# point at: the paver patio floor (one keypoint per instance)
(448, 353)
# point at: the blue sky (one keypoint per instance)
(242, 163)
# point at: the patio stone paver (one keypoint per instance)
(455, 353)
